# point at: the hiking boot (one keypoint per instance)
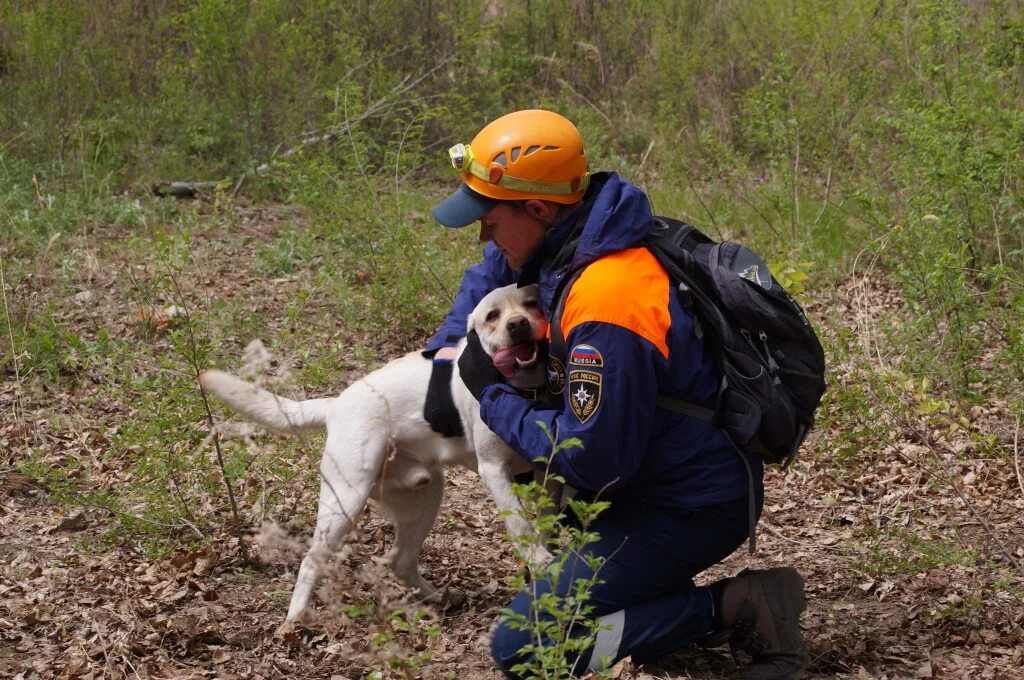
(762, 610)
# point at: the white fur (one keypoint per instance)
(379, 446)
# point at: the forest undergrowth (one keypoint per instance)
(180, 179)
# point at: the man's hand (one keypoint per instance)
(439, 409)
(476, 368)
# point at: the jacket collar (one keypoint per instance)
(614, 215)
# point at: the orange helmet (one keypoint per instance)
(531, 154)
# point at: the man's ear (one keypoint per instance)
(541, 210)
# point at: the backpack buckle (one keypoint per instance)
(686, 296)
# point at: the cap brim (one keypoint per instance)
(462, 208)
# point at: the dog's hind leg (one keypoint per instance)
(414, 512)
(346, 481)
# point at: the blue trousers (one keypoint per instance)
(646, 595)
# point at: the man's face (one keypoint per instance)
(515, 232)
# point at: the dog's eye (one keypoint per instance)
(530, 304)
(493, 315)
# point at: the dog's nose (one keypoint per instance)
(519, 329)
(517, 323)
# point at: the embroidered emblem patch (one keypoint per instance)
(754, 274)
(584, 393)
(556, 375)
(585, 355)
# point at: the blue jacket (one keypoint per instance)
(628, 340)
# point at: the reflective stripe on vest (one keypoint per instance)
(609, 639)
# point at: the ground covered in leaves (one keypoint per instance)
(911, 550)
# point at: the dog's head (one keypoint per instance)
(513, 332)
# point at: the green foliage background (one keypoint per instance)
(895, 109)
(829, 136)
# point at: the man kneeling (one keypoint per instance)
(680, 493)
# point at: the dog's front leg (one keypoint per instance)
(497, 475)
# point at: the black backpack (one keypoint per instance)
(772, 364)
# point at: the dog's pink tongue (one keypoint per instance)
(505, 361)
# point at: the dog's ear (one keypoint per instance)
(473, 319)
(473, 323)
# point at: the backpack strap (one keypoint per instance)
(558, 347)
(686, 408)
(681, 236)
(708, 415)
(751, 509)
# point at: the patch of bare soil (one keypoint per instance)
(77, 600)
(115, 613)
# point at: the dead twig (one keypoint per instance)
(191, 357)
(178, 496)
(565, 83)
(1016, 455)
(121, 514)
(378, 106)
(19, 406)
(867, 332)
(43, 205)
(643, 160)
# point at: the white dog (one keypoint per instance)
(380, 447)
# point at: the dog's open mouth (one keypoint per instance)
(510, 360)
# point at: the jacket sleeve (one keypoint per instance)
(608, 403)
(477, 281)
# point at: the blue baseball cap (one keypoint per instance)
(462, 208)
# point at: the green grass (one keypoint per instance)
(317, 291)
(897, 153)
(904, 552)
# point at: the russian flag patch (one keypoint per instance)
(586, 355)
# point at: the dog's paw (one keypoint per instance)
(288, 634)
(453, 598)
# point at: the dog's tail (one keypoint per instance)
(269, 410)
